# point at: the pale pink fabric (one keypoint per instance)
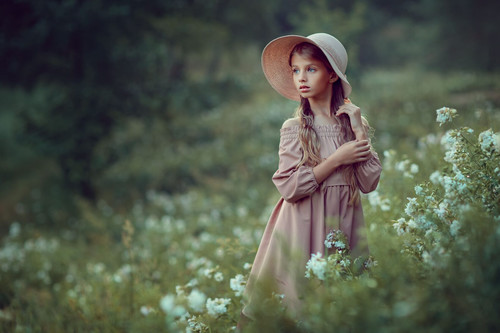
(306, 213)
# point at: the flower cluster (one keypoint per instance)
(237, 284)
(217, 306)
(338, 264)
(434, 216)
(337, 241)
(445, 114)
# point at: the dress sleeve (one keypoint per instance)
(368, 173)
(293, 183)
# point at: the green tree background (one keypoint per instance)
(85, 82)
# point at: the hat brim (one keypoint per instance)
(277, 70)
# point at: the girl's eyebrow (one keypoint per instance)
(306, 65)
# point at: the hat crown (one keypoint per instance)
(332, 47)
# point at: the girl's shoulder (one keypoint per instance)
(291, 123)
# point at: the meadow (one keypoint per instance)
(174, 262)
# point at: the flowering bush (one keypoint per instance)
(182, 261)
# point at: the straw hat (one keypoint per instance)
(277, 69)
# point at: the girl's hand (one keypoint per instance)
(354, 114)
(352, 152)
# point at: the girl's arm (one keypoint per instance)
(349, 153)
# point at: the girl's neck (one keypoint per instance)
(320, 108)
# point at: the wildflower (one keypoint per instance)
(414, 168)
(375, 200)
(337, 241)
(370, 262)
(196, 326)
(400, 225)
(146, 309)
(488, 141)
(247, 265)
(411, 206)
(218, 277)
(317, 266)
(442, 210)
(192, 283)
(435, 177)
(196, 300)
(237, 284)
(454, 228)
(179, 290)
(217, 306)
(419, 190)
(445, 114)
(14, 230)
(345, 263)
(167, 304)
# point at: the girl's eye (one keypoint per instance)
(312, 70)
(295, 71)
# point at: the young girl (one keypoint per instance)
(325, 156)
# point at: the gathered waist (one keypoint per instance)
(336, 178)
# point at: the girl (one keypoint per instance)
(325, 156)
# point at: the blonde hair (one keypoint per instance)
(307, 134)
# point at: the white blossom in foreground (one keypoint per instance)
(217, 306)
(445, 114)
(237, 284)
(196, 300)
(317, 266)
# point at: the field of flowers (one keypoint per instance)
(179, 262)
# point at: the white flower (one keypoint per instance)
(179, 290)
(441, 211)
(436, 177)
(145, 310)
(454, 228)
(196, 300)
(444, 115)
(317, 266)
(167, 304)
(217, 306)
(413, 168)
(411, 206)
(192, 283)
(400, 226)
(237, 284)
(14, 230)
(196, 326)
(247, 265)
(218, 277)
(419, 190)
(345, 263)
(488, 141)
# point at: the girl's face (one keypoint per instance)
(311, 77)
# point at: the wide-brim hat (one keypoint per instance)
(277, 69)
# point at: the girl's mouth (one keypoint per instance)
(304, 88)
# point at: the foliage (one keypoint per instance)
(184, 259)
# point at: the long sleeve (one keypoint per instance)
(368, 173)
(293, 183)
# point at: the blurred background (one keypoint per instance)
(106, 100)
(138, 139)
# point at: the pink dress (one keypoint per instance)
(306, 213)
